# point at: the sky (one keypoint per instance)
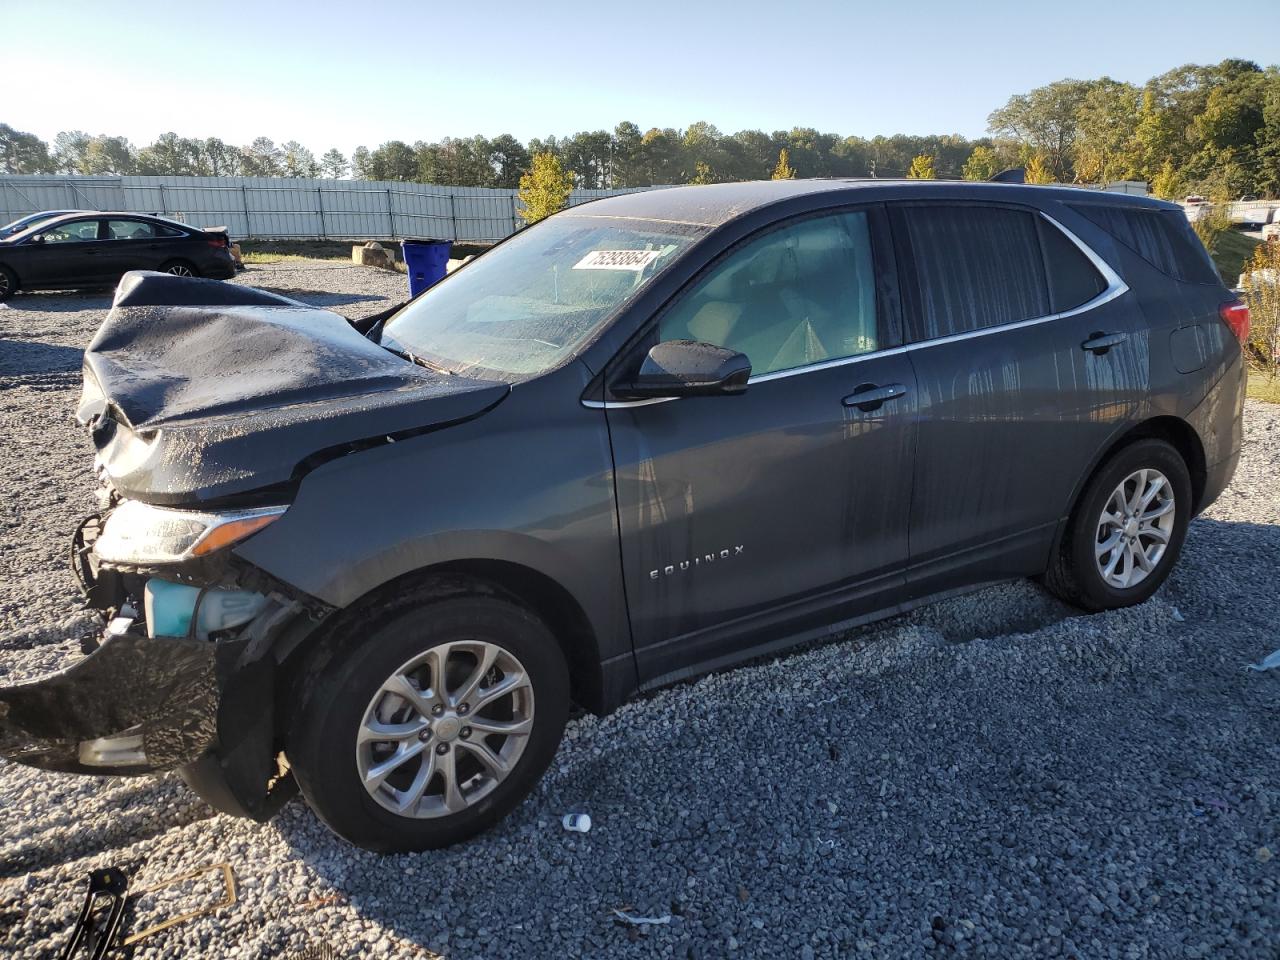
(334, 74)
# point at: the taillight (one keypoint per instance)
(218, 242)
(1235, 314)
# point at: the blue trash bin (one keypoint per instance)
(428, 262)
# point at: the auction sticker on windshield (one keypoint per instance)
(635, 260)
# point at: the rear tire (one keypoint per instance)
(414, 770)
(180, 268)
(1126, 531)
(8, 283)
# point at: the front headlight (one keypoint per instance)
(138, 533)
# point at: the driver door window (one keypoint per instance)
(799, 295)
(77, 231)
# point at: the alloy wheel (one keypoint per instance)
(179, 270)
(4, 284)
(445, 729)
(1134, 529)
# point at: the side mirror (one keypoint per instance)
(687, 368)
(38, 238)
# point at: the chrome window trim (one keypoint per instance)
(1116, 287)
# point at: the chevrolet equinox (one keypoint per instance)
(649, 437)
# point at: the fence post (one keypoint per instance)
(320, 207)
(164, 206)
(453, 214)
(244, 200)
(391, 217)
(514, 221)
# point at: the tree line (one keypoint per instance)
(1209, 129)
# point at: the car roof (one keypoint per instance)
(718, 203)
(102, 215)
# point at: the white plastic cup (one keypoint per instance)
(577, 822)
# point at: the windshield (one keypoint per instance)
(527, 305)
(26, 223)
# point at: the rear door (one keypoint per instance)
(135, 245)
(745, 517)
(1025, 364)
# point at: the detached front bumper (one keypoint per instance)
(202, 703)
(135, 705)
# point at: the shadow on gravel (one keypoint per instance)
(68, 301)
(143, 813)
(27, 357)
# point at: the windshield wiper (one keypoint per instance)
(420, 361)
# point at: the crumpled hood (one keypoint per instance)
(198, 390)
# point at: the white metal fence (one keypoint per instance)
(278, 208)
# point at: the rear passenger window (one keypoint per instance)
(1073, 280)
(1161, 237)
(168, 232)
(977, 267)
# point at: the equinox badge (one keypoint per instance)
(686, 565)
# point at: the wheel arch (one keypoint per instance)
(1173, 430)
(546, 598)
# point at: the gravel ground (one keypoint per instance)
(992, 776)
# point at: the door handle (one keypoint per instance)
(870, 396)
(1099, 343)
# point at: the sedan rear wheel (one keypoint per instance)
(179, 268)
(8, 283)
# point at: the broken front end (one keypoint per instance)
(183, 674)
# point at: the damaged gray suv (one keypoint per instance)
(649, 437)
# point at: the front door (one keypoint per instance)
(70, 253)
(746, 518)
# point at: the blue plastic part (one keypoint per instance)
(170, 607)
(427, 261)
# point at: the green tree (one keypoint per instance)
(394, 160)
(334, 164)
(1046, 119)
(218, 159)
(783, 170)
(262, 158)
(109, 155)
(298, 161)
(22, 152)
(545, 189)
(361, 164)
(510, 160)
(1106, 146)
(702, 174)
(1167, 184)
(922, 168)
(1037, 170)
(69, 148)
(981, 165)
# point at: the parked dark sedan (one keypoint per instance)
(648, 437)
(22, 224)
(96, 249)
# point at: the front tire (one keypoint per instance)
(434, 725)
(1126, 531)
(8, 283)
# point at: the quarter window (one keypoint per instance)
(1161, 237)
(798, 295)
(977, 267)
(1073, 280)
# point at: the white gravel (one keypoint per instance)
(992, 776)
